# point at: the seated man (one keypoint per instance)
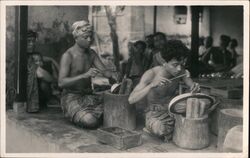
(220, 58)
(78, 64)
(159, 44)
(148, 57)
(157, 86)
(134, 67)
(232, 49)
(39, 78)
(46, 82)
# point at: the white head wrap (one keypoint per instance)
(81, 28)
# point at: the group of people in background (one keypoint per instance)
(217, 58)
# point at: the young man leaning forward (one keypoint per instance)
(157, 86)
(78, 64)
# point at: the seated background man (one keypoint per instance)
(78, 64)
(36, 90)
(232, 49)
(156, 86)
(46, 82)
(148, 58)
(134, 68)
(159, 44)
(220, 58)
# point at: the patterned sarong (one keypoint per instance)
(32, 87)
(160, 123)
(76, 105)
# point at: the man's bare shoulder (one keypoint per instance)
(156, 69)
(68, 54)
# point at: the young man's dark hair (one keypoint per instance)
(160, 34)
(143, 44)
(174, 49)
(208, 41)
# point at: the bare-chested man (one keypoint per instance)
(78, 64)
(157, 87)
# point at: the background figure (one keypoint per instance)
(201, 46)
(46, 83)
(148, 55)
(40, 76)
(208, 43)
(159, 44)
(135, 66)
(232, 49)
(219, 59)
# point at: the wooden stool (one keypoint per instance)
(118, 112)
(234, 140)
(191, 133)
(191, 124)
(228, 118)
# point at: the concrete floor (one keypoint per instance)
(47, 131)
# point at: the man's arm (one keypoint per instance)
(64, 80)
(102, 68)
(142, 89)
(194, 87)
(44, 75)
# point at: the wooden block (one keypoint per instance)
(230, 93)
(123, 86)
(228, 118)
(202, 108)
(19, 107)
(129, 86)
(234, 140)
(196, 108)
(118, 112)
(189, 108)
(119, 138)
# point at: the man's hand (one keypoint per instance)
(159, 81)
(195, 88)
(91, 73)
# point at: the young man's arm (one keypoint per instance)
(194, 87)
(64, 80)
(44, 75)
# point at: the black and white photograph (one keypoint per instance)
(124, 79)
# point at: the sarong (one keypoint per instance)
(160, 122)
(32, 87)
(76, 105)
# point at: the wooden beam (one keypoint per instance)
(21, 23)
(155, 18)
(195, 10)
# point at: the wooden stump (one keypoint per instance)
(191, 133)
(118, 112)
(225, 104)
(234, 140)
(228, 118)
